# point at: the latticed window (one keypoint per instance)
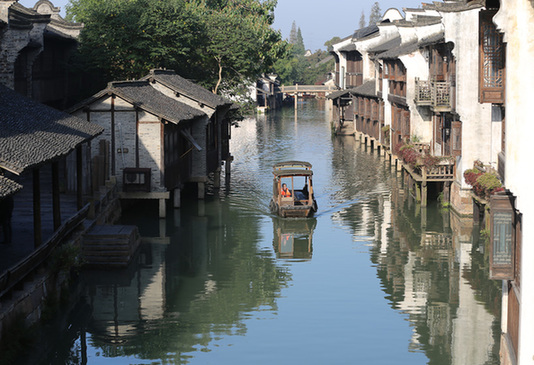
(492, 60)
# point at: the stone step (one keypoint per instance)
(110, 246)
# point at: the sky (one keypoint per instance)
(318, 20)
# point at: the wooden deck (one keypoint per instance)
(22, 221)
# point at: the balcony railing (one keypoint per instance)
(442, 172)
(442, 95)
(423, 92)
(436, 94)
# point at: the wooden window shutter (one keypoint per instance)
(502, 237)
(492, 61)
(456, 138)
(406, 123)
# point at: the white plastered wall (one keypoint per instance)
(515, 19)
(478, 133)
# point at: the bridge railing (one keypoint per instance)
(306, 88)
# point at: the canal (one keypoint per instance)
(372, 279)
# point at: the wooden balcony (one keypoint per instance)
(423, 92)
(442, 172)
(435, 94)
(442, 96)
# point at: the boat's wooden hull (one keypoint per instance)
(293, 211)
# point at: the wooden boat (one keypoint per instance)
(300, 202)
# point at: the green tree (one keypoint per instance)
(299, 47)
(376, 14)
(293, 33)
(212, 41)
(362, 21)
(329, 44)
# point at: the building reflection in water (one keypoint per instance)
(293, 238)
(189, 287)
(430, 262)
(431, 266)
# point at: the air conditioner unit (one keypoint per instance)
(134, 177)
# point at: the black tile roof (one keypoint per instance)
(337, 94)
(32, 134)
(411, 47)
(366, 89)
(387, 45)
(347, 48)
(146, 97)
(454, 6)
(22, 17)
(183, 86)
(8, 187)
(364, 32)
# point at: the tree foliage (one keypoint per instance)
(293, 33)
(214, 42)
(376, 14)
(299, 45)
(330, 44)
(362, 21)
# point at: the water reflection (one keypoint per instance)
(293, 238)
(425, 264)
(223, 281)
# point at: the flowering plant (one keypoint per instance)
(484, 183)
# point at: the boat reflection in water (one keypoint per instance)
(293, 238)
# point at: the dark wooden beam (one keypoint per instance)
(79, 178)
(37, 225)
(56, 204)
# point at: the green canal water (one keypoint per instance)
(372, 279)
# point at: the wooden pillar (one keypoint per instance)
(177, 198)
(79, 178)
(56, 204)
(417, 191)
(447, 192)
(423, 218)
(162, 228)
(424, 193)
(162, 210)
(37, 226)
(201, 190)
(217, 178)
(227, 166)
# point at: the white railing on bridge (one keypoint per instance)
(306, 89)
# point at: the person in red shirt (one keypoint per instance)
(285, 191)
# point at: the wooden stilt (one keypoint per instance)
(177, 198)
(162, 210)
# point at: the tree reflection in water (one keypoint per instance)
(202, 275)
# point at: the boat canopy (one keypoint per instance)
(292, 165)
(281, 173)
